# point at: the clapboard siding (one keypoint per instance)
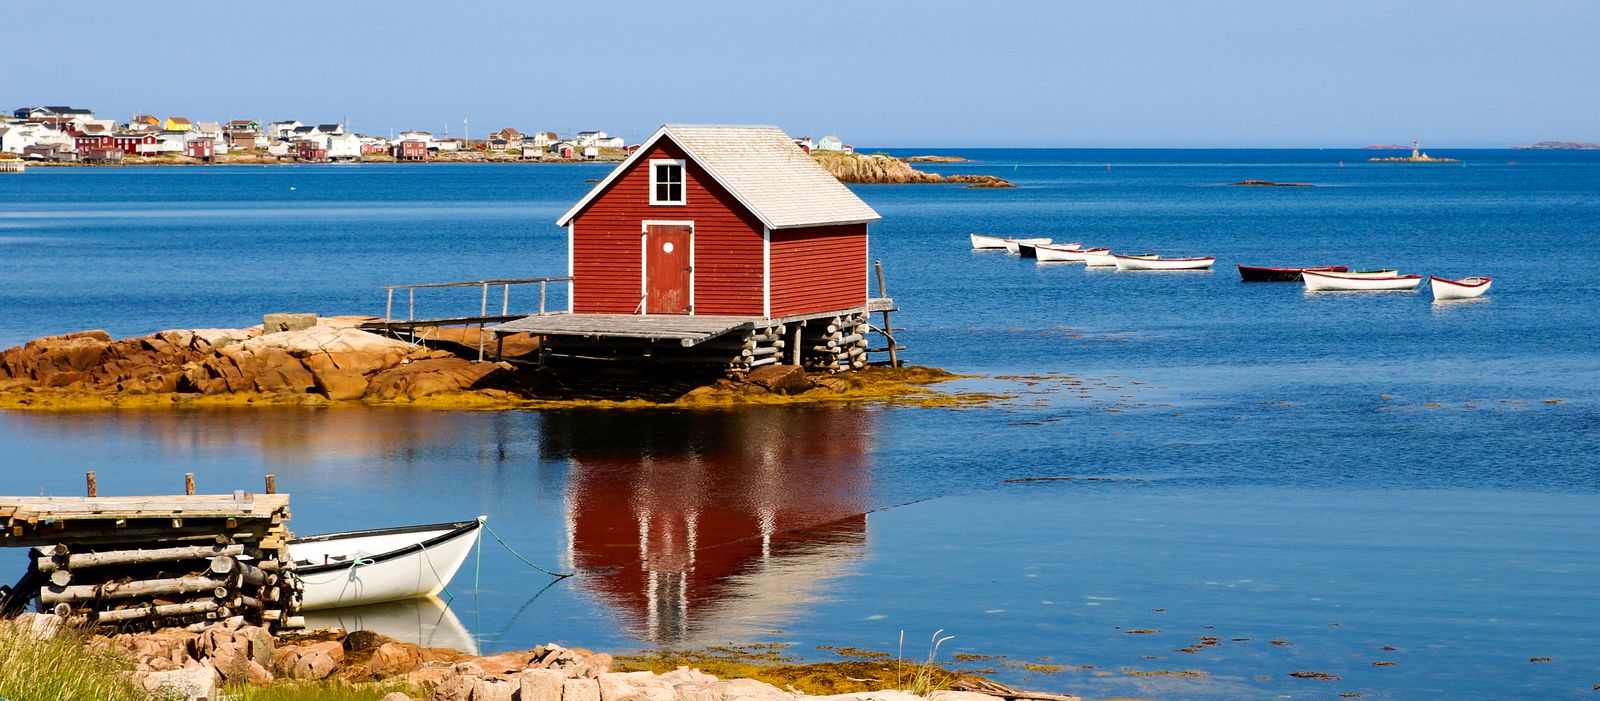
(607, 266)
(819, 269)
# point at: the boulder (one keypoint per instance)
(634, 686)
(393, 659)
(308, 662)
(540, 685)
(338, 384)
(281, 372)
(493, 690)
(192, 683)
(395, 696)
(580, 690)
(427, 377)
(780, 379)
(39, 626)
(750, 689)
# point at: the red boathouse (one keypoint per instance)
(716, 236)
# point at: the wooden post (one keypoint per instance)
(188, 483)
(272, 484)
(505, 300)
(411, 310)
(888, 331)
(542, 287)
(388, 307)
(93, 490)
(795, 357)
(483, 310)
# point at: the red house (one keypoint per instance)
(716, 238)
(410, 150)
(716, 220)
(200, 148)
(135, 143)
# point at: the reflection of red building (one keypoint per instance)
(704, 521)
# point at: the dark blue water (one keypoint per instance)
(1421, 475)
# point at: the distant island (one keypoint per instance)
(1558, 146)
(1385, 147)
(1417, 156)
(934, 159)
(1267, 183)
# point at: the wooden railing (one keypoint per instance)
(483, 310)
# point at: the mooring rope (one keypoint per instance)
(526, 561)
(358, 562)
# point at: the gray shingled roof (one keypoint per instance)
(764, 169)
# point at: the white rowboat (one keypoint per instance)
(386, 564)
(985, 243)
(1465, 288)
(1344, 282)
(1369, 273)
(1106, 259)
(1052, 253)
(1014, 246)
(1159, 263)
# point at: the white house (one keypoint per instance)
(830, 143)
(16, 137)
(279, 148)
(343, 146)
(170, 142)
(282, 130)
(599, 139)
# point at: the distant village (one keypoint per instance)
(70, 135)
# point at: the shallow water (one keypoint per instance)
(1421, 475)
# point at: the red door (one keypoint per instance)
(667, 269)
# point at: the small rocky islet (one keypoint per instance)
(334, 362)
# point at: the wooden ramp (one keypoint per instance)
(688, 330)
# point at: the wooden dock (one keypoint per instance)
(37, 521)
(147, 562)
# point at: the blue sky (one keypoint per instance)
(1136, 74)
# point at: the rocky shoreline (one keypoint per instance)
(888, 170)
(335, 363)
(230, 656)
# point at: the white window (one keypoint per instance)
(666, 182)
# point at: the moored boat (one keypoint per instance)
(1345, 282)
(1031, 250)
(984, 243)
(1150, 262)
(1252, 273)
(1389, 272)
(1464, 288)
(1014, 246)
(1052, 253)
(385, 564)
(1105, 258)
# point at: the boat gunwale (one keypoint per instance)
(1338, 276)
(1315, 269)
(1461, 282)
(457, 529)
(1157, 257)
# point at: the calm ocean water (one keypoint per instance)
(1340, 472)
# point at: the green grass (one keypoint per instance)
(928, 676)
(63, 668)
(327, 690)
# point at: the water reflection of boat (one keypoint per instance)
(714, 526)
(385, 564)
(427, 622)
